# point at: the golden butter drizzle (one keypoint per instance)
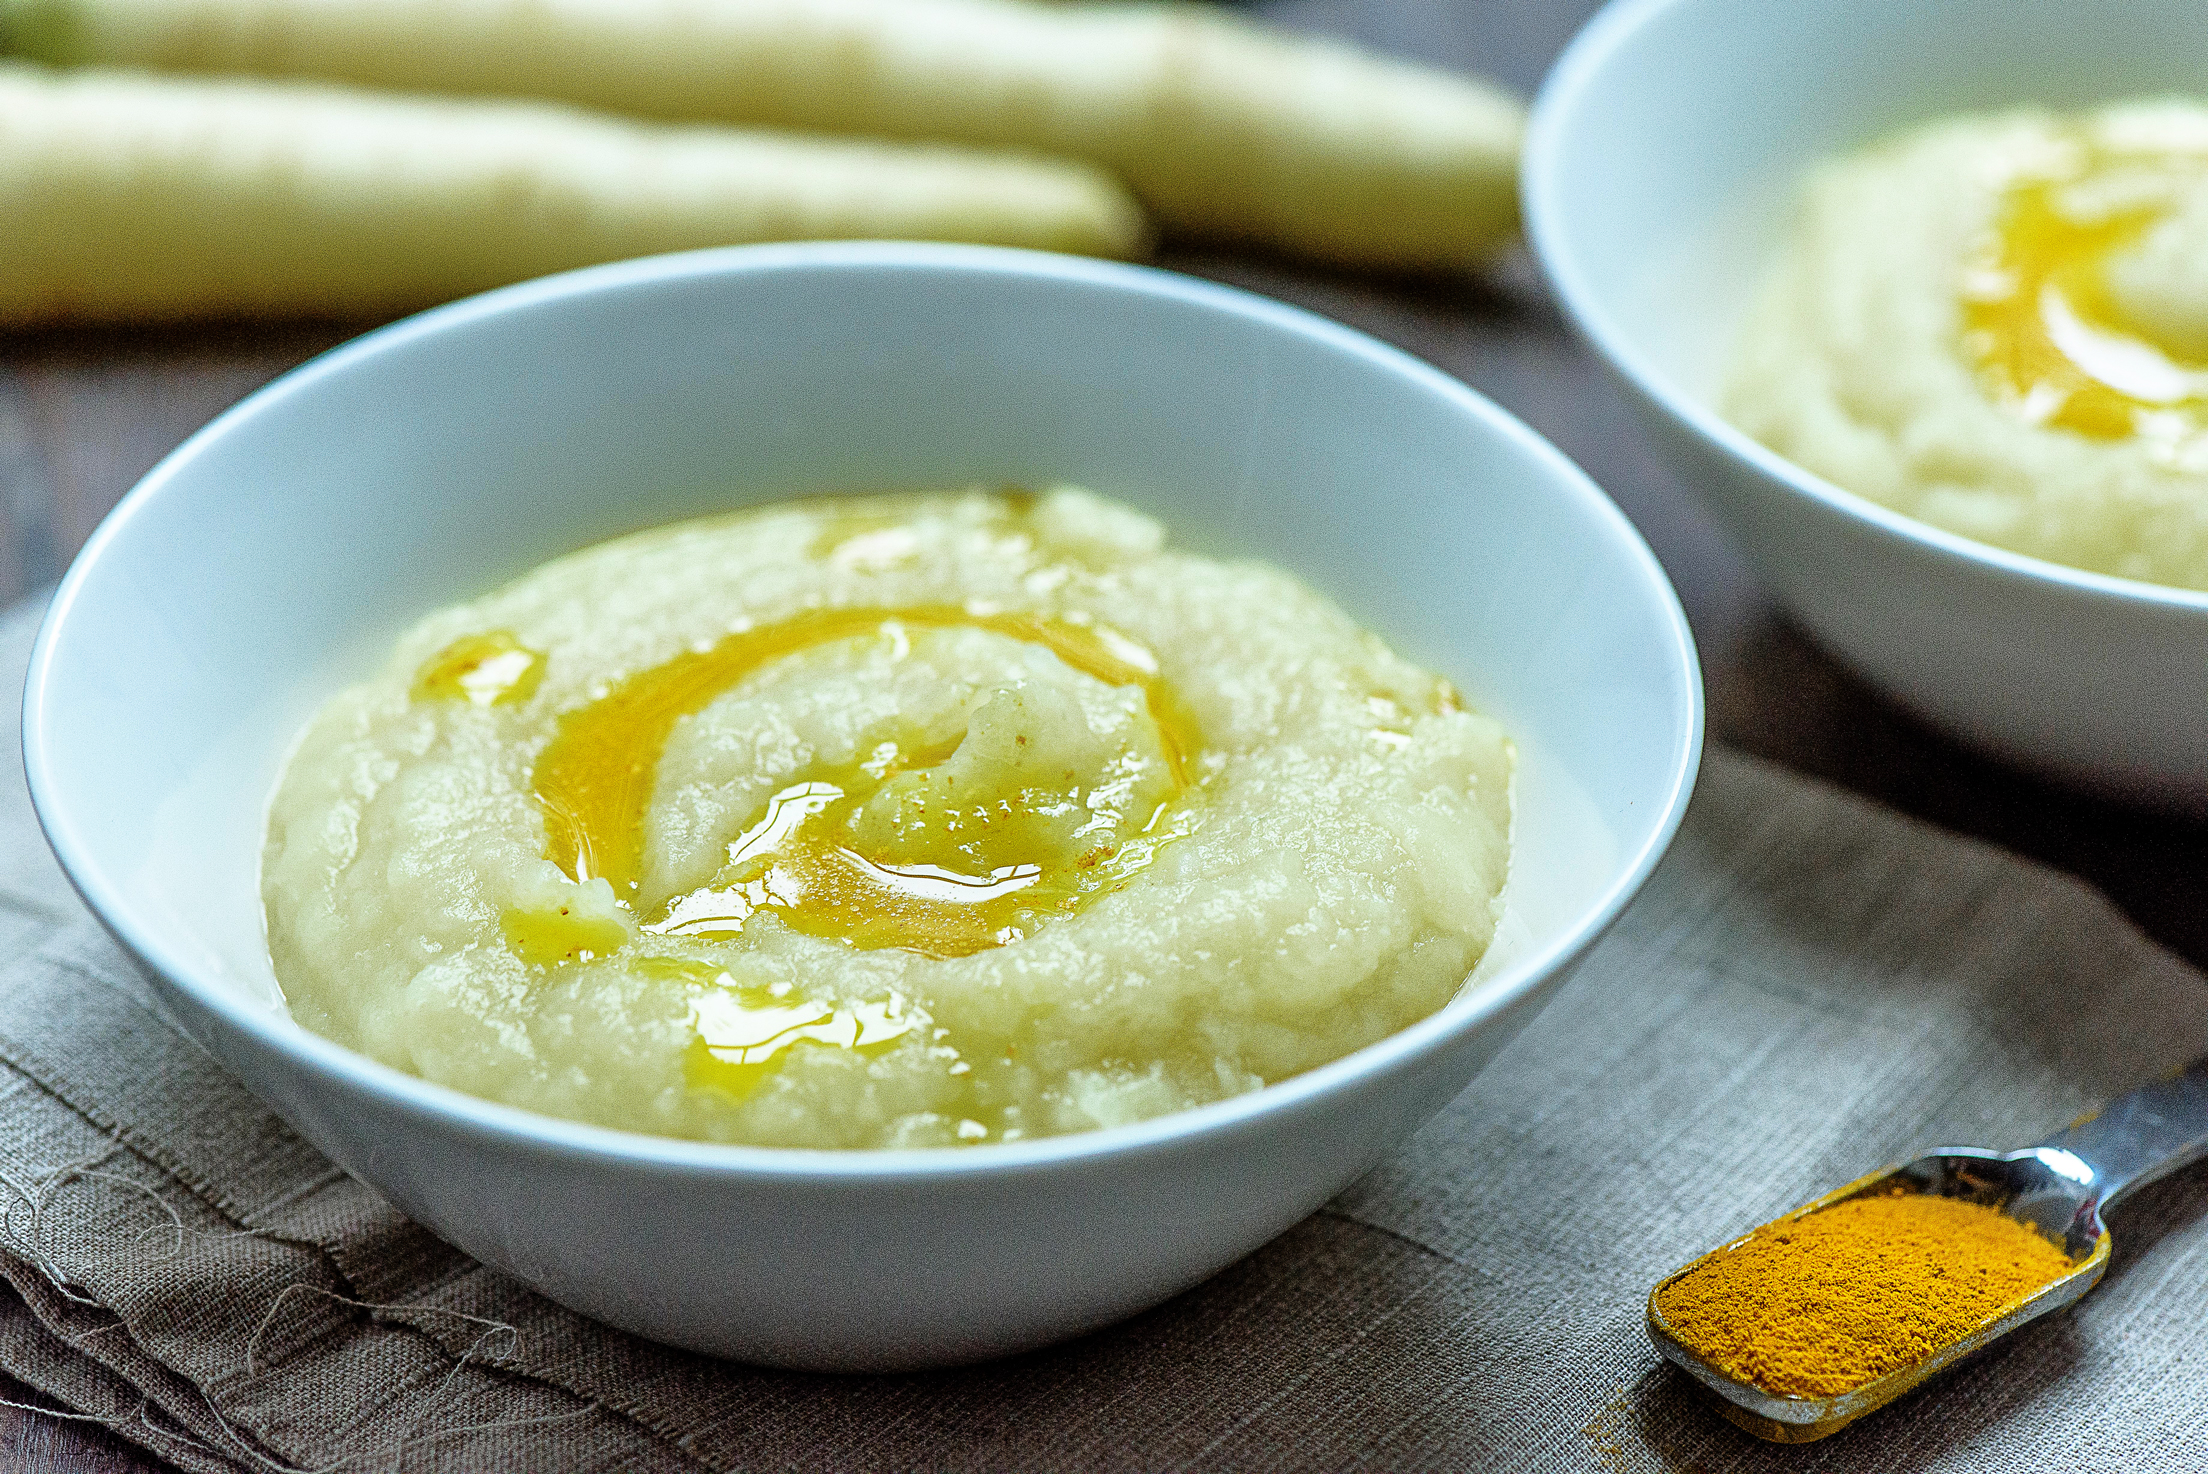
(563, 934)
(2048, 334)
(740, 1033)
(594, 782)
(490, 669)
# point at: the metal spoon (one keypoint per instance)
(2061, 1187)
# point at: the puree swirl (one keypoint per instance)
(921, 821)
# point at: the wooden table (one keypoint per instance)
(83, 414)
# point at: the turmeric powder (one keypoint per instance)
(1818, 1305)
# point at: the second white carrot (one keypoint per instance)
(130, 198)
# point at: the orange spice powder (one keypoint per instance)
(1815, 1306)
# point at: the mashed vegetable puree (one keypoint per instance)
(904, 821)
(1999, 324)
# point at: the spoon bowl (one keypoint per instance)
(2024, 1185)
(2060, 1188)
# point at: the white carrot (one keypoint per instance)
(130, 198)
(1225, 129)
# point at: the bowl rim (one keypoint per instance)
(555, 1138)
(1576, 74)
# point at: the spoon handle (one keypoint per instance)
(2136, 1138)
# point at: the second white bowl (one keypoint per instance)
(1663, 164)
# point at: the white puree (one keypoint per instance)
(1048, 828)
(1999, 324)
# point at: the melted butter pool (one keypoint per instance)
(986, 874)
(2051, 337)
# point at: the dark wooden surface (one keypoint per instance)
(82, 415)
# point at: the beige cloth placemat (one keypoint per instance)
(1809, 987)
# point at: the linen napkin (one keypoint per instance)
(1808, 988)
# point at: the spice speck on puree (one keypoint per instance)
(1819, 1305)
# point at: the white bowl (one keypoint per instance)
(1663, 164)
(276, 553)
